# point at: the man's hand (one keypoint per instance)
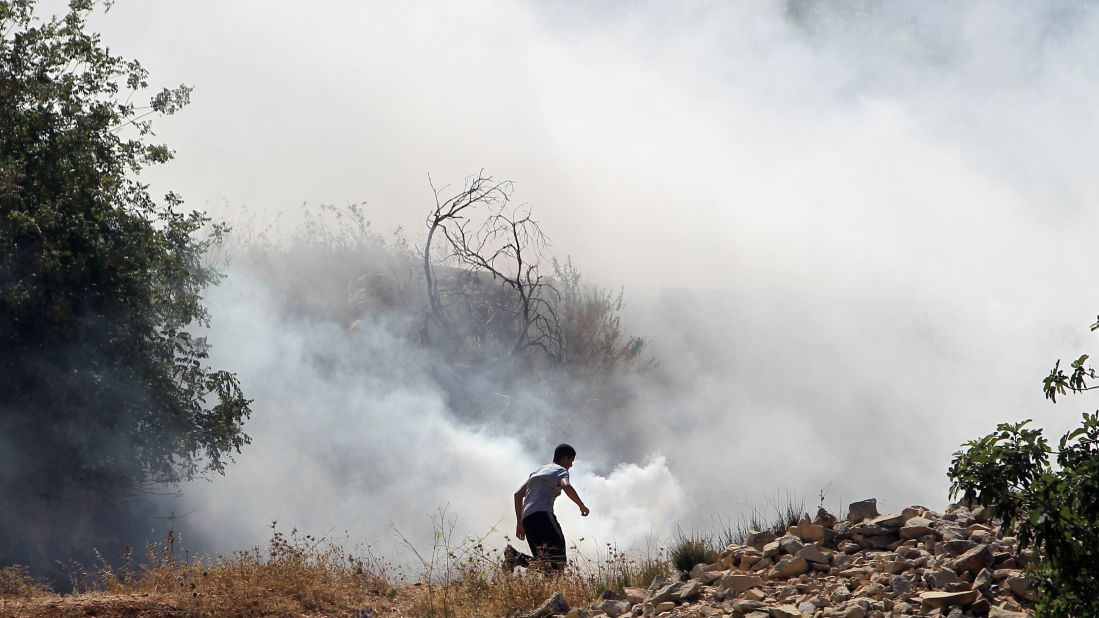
(575, 497)
(520, 533)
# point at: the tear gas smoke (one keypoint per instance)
(853, 234)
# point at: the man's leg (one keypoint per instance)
(514, 558)
(547, 543)
(556, 546)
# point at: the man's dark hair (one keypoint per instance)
(563, 450)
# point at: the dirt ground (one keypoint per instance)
(151, 605)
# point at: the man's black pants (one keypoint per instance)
(547, 542)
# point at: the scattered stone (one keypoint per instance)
(612, 608)
(937, 600)
(824, 518)
(983, 582)
(940, 578)
(808, 531)
(554, 605)
(811, 553)
(738, 582)
(900, 586)
(854, 611)
(746, 606)
(849, 547)
(999, 612)
(888, 521)
(772, 549)
(690, 590)
(790, 567)
(758, 539)
(918, 563)
(697, 571)
(710, 577)
(762, 564)
(666, 593)
(755, 594)
(914, 511)
(790, 545)
(785, 611)
(916, 527)
(862, 509)
(973, 560)
(1020, 587)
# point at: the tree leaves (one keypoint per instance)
(100, 284)
(1055, 508)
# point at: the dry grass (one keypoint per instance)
(17, 583)
(297, 575)
(302, 575)
(476, 586)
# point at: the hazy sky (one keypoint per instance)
(717, 145)
(860, 233)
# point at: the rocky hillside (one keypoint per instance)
(915, 563)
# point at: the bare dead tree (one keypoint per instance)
(483, 235)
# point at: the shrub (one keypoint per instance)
(16, 582)
(1054, 508)
(687, 550)
(785, 513)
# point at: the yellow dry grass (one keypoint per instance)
(300, 575)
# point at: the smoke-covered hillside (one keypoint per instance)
(851, 237)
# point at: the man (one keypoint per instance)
(534, 518)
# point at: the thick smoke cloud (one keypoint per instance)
(355, 433)
(857, 235)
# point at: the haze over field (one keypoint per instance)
(855, 237)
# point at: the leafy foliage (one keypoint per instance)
(1054, 508)
(103, 383)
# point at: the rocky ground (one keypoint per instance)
(915, 563)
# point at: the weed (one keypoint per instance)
(784, 513)
(687, 550)
(16, 581)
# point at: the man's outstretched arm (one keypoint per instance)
(575, 497)
(520, 533)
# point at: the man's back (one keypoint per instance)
(543, 487)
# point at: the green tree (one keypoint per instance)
(104, 384)
(1052, 508)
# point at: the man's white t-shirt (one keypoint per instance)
(543, 487)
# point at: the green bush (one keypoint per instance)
(1052, 508)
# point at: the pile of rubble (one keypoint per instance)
(916, 563)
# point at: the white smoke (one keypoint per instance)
(352, 435)
(857, 235)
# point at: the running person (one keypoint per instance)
(534, 518)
